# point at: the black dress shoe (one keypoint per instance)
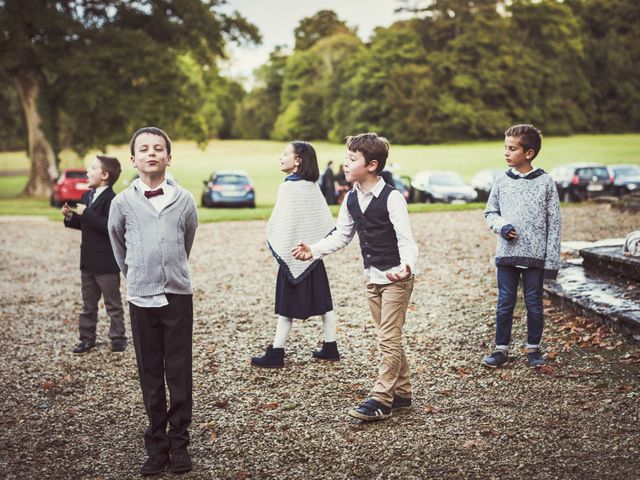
(83, 347)
(118, 346)
(155, 464)
(180, 461)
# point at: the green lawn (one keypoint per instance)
(260, 158)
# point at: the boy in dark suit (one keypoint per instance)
(99, 271)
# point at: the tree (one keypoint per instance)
(61, 54)
(321, 25)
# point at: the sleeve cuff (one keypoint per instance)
(506, 229)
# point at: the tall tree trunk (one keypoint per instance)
(43, 160)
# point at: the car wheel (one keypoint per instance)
(566, 196)
(428, 198)
(204, 202)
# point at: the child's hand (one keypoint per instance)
(66, 211)
(401, 275)
(81, 208)
(512, 235)
(301, 251)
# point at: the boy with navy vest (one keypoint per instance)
(524, 210)
(379, 214)
(152, 226)
(99, 272)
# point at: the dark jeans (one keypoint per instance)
(508, 279)
(162, 338)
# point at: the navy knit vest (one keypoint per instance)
(378, 241)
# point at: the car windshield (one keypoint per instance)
(589, 173)
(627, 171)
(82, 175)
(446, 180)
(231, 180)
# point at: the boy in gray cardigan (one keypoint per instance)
(152, 225)
(524, 210)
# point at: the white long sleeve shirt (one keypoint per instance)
(346, 229)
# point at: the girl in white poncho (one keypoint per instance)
(302, 288)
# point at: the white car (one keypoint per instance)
(441, 186)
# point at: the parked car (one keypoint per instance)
(626, 178)
(482, 182)
(441, 186)
(402, 184)
(229, 188)
(69, 187)
(580, 181)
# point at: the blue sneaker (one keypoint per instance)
(401, 403)
(371, 410)
(499, 358)
(535, 358)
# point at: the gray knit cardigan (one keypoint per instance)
(152, 247)
(530, 206)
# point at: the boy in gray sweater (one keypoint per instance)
(524, 210)
(152, 225)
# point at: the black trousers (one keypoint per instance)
(162, 338)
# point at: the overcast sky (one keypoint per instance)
(276, 20)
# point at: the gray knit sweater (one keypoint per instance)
(530, 206)
(152, 247)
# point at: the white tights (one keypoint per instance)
(283, 328)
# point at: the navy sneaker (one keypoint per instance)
(401, 403)
(155, 464)
(535, 359)
(370, 411)
(272, 358)
(85, 346)
(499, 358)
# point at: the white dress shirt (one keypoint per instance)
(158, 202)
(346, 229)
(99, 190)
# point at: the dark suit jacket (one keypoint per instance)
(96, 255)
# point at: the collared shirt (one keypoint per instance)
(158, 202)
(97, 193)
(520, 174)
(346, 229)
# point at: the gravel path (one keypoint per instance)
(65, 416)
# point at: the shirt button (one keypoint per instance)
(368, 255)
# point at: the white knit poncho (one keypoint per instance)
(300, 214)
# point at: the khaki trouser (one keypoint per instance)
(388, 304)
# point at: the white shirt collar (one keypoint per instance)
(516, 172)
(99, 190)
(145, 188)
(375, 191)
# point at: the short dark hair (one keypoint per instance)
(111, 165)
(372, 148)
(152, 131)
(530, 137)
(308, 168)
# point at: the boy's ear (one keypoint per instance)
(374, 164)
(529, 154)
(133, 161)
(168, 160)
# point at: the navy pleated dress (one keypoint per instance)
(310, 297)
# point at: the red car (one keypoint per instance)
(69, 187)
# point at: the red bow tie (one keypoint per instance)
(153, 193)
